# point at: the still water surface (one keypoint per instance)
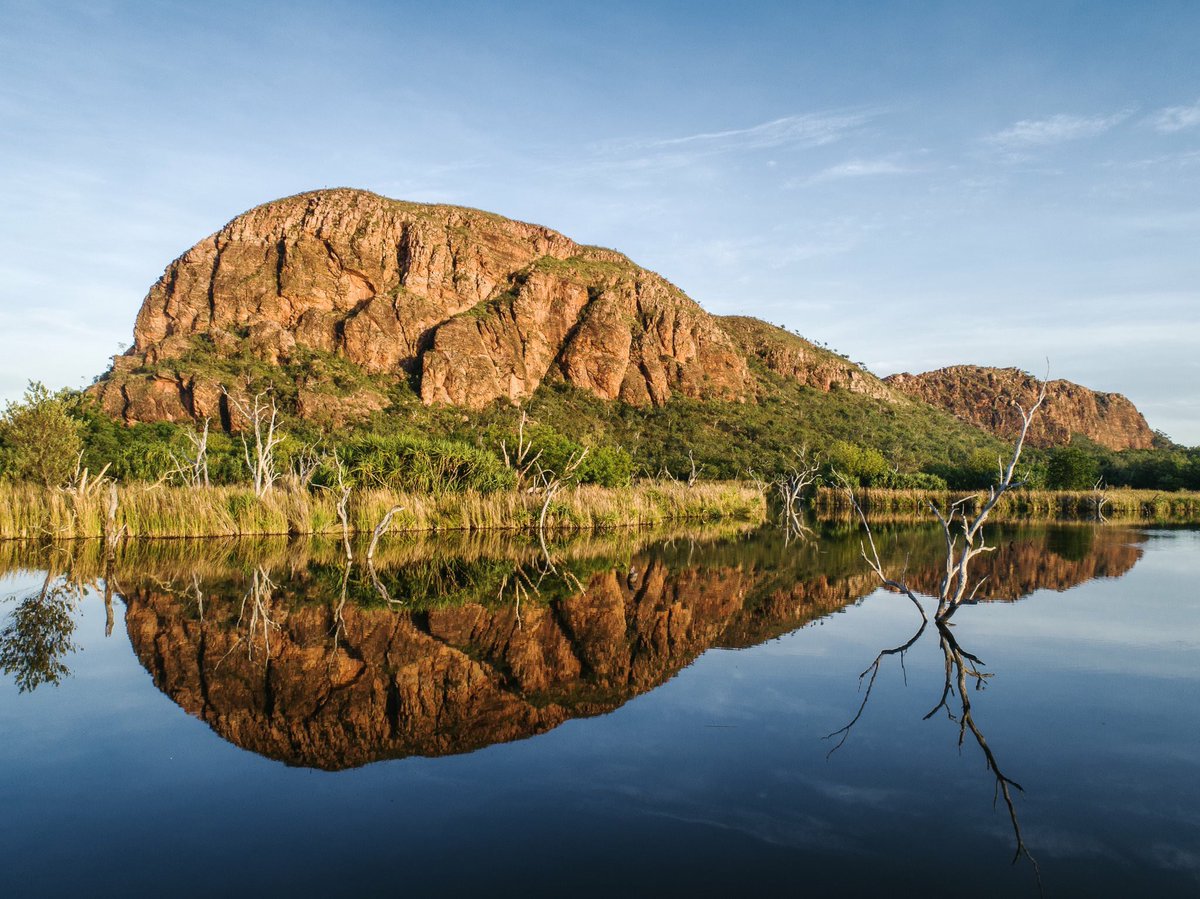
(629, 717)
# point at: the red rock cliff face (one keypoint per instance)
(981, 396)
(479, 307)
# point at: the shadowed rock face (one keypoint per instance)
(981, 396)
(273, 667)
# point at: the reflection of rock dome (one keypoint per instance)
(455, 679)
(467, 669)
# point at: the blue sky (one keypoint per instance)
(916, 184)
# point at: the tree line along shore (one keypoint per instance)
(67, 470)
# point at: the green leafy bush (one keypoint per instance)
(39, 440)
(405, 462)
(1071, 468)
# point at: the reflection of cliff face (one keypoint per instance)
(448, 680)
(280, 653)
(1057, 558)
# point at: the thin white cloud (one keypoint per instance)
(1175, 118)
(697, 157)
(854, 168)
(808, 130)
(1029, 134)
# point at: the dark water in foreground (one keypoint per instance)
(635, 718)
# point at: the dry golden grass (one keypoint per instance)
(1046, 505)
(30, 512)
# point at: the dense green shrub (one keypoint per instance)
(39, 440)
(406, 462)
(862, 466)
(608, 466)
(1071, 468)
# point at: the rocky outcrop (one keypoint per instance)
(477, 307)
(982, 396)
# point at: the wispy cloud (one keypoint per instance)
(808, 130)
(1031, 134)
(854, 168)
(699, 156)
(1175, 118)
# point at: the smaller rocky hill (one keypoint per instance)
(982, 397)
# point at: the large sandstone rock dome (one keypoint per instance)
(476, 307)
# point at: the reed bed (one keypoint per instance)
(30, 512)
(1149, 506)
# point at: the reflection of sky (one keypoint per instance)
(717, 780)
(1024, 174)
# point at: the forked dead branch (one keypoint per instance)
(963, 533)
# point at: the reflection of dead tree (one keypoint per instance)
(339, 610)
(256, 600)
(263, 421)
(1099, 499)
(521, 583)
(873, 671)
(955, 586)
(961, 665)
(379, 531)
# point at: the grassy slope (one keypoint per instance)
(728, 439)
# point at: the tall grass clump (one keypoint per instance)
(32, 512)
(1047, 505)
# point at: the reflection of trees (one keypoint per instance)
(961, 667)
(38, 635)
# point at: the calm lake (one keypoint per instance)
(627, 715)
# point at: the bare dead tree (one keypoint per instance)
(342, 493)
(1099, 499)
(263, 422)
(694, 474)
(381, 529)
(82, 484)
(112, 533)
(956, 586)
(792, 489)
(522, 458)
(548, 484)
(194, 468)
(305, 465)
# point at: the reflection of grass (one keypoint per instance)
(27, 511)
(1045, 505)
(217, 558)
